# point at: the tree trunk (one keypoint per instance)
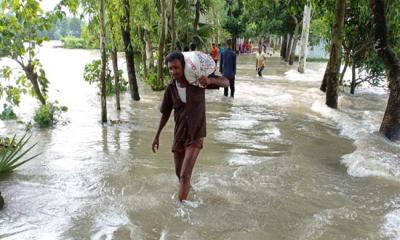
(103, 64)
(284, 46)
(346, 63)
(149, 49)
(304, 38)
(325, 78)
(33, 78)
(129, 54)
(160, 63)
(353, 78)
(114, 59)
(293, 48)
(197, 16)
(141, 32)
(334, 61)
(390, 126)
(149, 44)
(289, 47)
(173, 34)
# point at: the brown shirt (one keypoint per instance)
(190, 117)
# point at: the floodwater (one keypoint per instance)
(277, 164)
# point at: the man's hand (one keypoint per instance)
(204, 81)
(155, 144)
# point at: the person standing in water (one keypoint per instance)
(227, 66)
(188, 103)
(214, 53)
(260, 61)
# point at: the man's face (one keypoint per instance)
(175, 69)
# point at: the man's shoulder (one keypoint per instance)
(170, 85)
(231, 52)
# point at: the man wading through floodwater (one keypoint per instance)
(188, 102)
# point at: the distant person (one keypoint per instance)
(188, 103)
(193, 47)
(186, 49)
(260, 61)
(220, 50)
(214, 53)
(227, 67)
(250, 47)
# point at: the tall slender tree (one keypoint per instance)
(103, 62)
(304, 38)
(390, 126)
(129, 53)
(333, 68)
(161, 46)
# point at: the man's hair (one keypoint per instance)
(186, 49)
(193, 46)
(229, 42)
(175, 55)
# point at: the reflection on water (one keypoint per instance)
(277, 164)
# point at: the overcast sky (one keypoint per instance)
(48, 5)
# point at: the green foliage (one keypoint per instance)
(153, 82)
(21, 23)
(90, 36)
(10, 92)
(44, 116)
(73, 42)
(7, 113)
(92, 75)
(67, 26)
(48, 115)
(233, 22)
(13, 153)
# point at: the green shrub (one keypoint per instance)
(73, 42)
(48, 115)
(153, 82)
(44, 116)
(7, 113)
(92, 75)
(12, 152)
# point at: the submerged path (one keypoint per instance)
(277, 164)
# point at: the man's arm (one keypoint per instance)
(217, 81)
(163, 121)
(234, 63)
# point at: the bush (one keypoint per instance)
(92, 75)
(73, 42)
(48, 115)
(7, 113)
(153, 82)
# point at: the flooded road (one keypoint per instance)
(276, 164)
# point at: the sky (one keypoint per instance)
(48, 5)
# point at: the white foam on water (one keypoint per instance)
(309, 75)
(273, 96)
(374, 155)
(316, 226)
(164, 234)
(244, 159)
(391, 225)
